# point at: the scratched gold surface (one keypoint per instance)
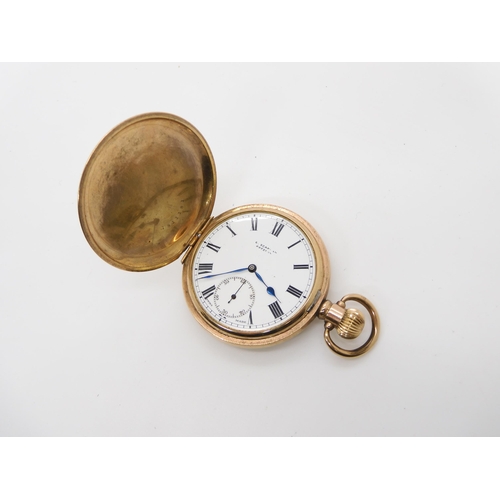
(146, 189)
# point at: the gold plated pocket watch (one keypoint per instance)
(253, 276)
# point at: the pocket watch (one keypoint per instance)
(253, 276)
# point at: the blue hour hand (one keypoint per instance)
(270, 289)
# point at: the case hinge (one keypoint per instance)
(194, 239)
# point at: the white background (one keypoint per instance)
(395, 165)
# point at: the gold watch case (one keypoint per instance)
(301, 317)
(146, 197)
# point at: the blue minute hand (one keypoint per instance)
(270, 289)
(219, 274)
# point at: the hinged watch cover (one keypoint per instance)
(146, 190)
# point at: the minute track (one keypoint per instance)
(270, 246)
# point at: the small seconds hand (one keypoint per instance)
(234, 294)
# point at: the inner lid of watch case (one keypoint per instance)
(145, 191)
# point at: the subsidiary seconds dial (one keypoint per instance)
(234, 297)
(254, 272)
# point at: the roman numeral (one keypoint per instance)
(277, 229)
(294, 291)
(296, 243)
(250, 318)
(276, 309)
(227, 225)
(254, 223)
(213, 247)
(208, 292)
(301, 266)
(205, 268)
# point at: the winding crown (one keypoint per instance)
(348, 323)
(351, 325)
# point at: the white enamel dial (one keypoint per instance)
(254, 272)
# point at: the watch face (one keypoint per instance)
(254, 272)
